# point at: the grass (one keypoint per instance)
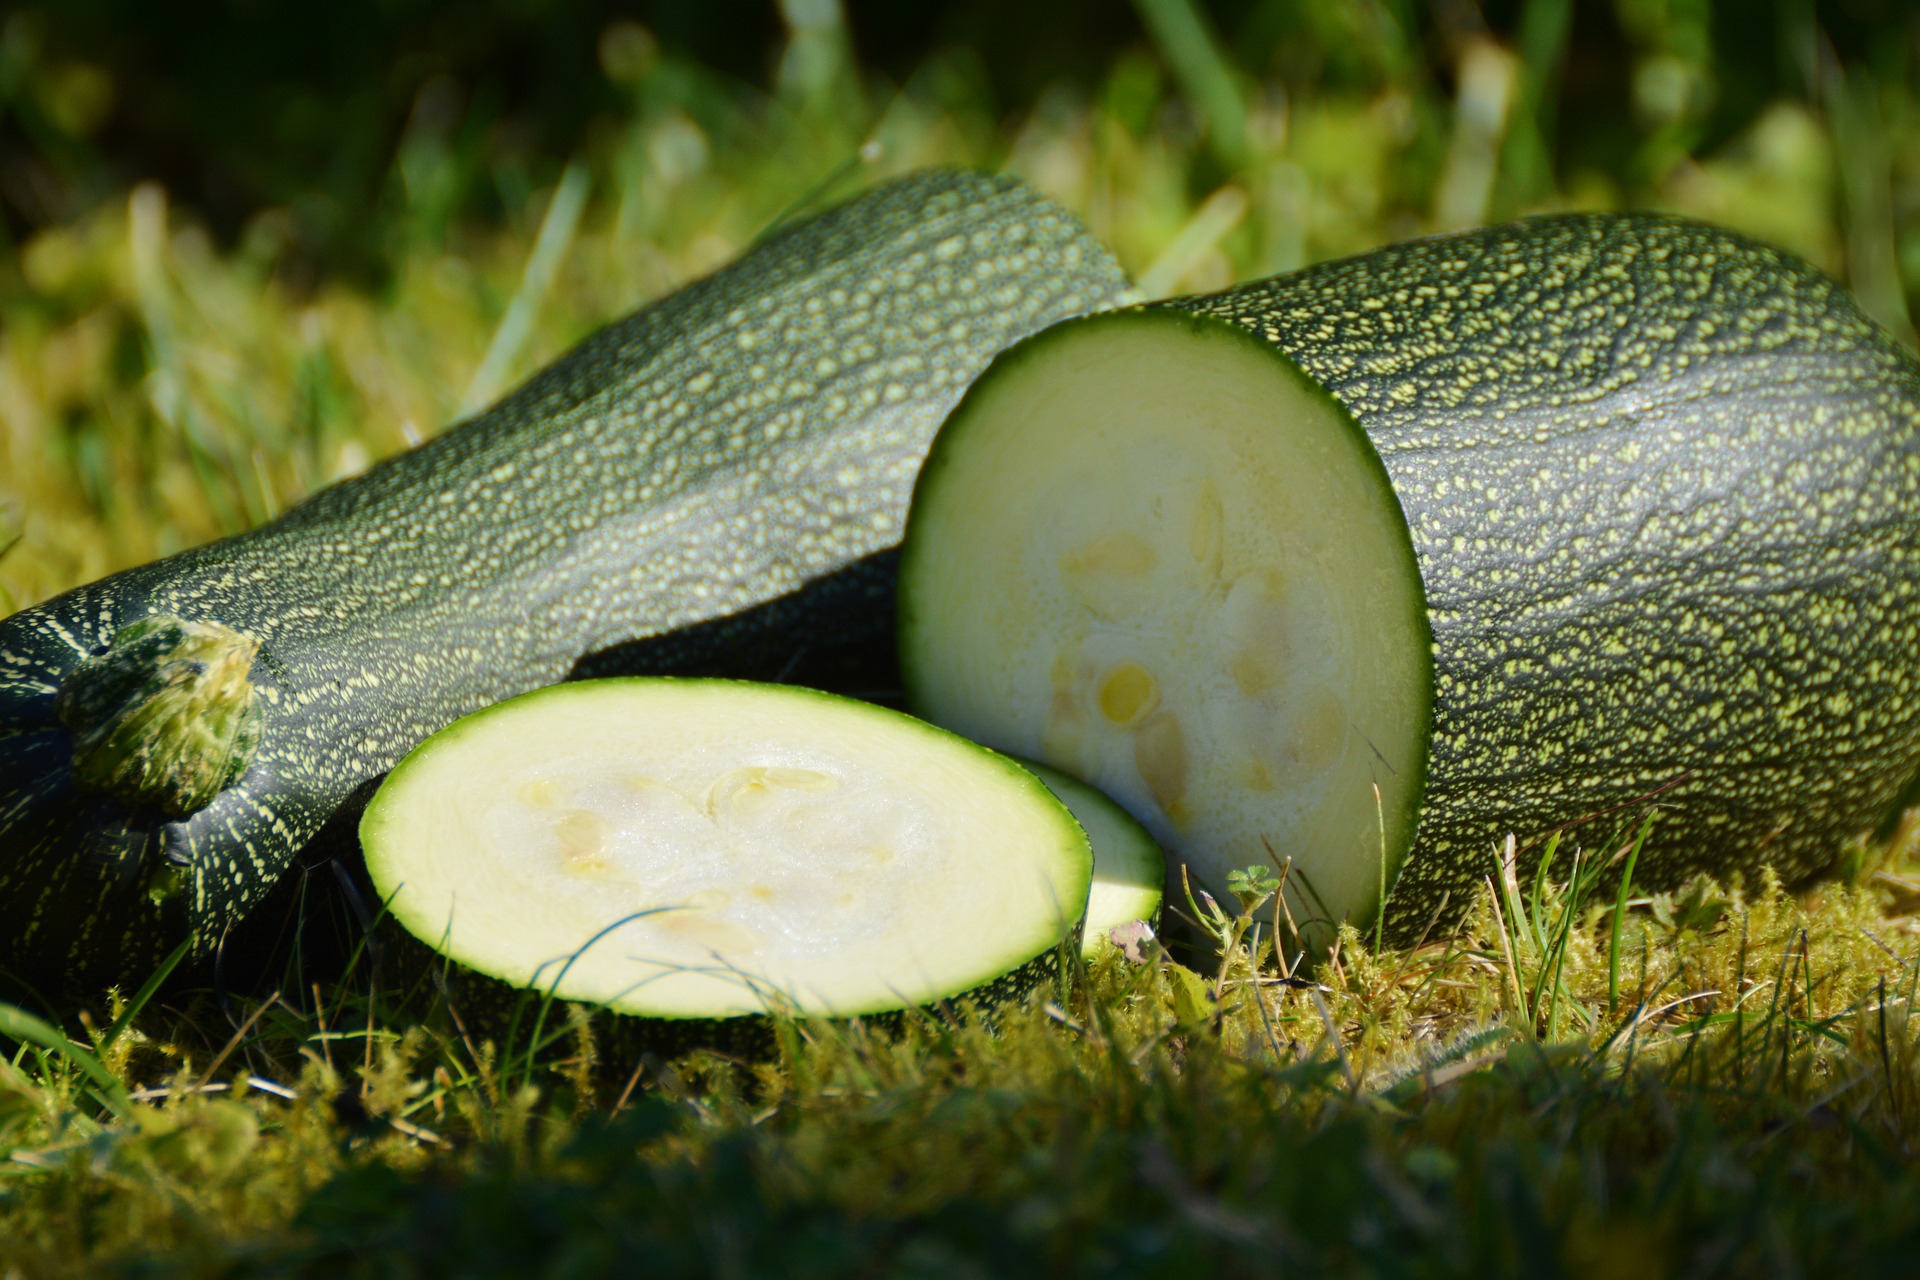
(1720, 1080)
(1742, 1098)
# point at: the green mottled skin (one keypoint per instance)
(716, 450)
(1664, 488)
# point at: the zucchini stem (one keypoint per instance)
(166, 717)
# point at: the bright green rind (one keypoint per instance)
(1129, 868)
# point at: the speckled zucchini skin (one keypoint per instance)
(716, 450)
(1664, 488)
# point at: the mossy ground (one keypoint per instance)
(1741, 1099)
(1729, 1083)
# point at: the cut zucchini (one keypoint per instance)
(705, 849)
(1635, 514)
(1129, 870)
(1149, 551)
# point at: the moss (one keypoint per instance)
(1760, 1059)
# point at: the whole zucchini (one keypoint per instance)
(1373, 564)
(170, 736)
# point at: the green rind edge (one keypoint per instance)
(1143, 901)
(991, 989)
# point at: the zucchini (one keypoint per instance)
(1129, 870)
(170, 736)
(706, 850)
(1489, 533)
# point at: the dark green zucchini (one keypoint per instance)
(717, 450)
(1371, 565)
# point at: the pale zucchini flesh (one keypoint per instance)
(707, 848)
(1148, 551)
(1129, 869)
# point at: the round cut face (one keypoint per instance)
(709, 848)
(1148, 551)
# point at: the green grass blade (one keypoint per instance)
(1555, 965)
(543, 264)
(1537, 923)
(1198, 63)
(19, 1025)
(145, 993)
(1380, 911)
(816, 197)
(1866, 167)
(1620, 915)
(1527, 158)
(552, 991)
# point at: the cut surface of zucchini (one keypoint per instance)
(1147, 550)
(1129, 869)
(710, 848)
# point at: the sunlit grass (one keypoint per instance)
(1756, 1042)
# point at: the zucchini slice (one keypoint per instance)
(702, 849)
(1151, 552)
(1129, 870)
(1505, 532)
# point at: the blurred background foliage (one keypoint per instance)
(247, 246)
